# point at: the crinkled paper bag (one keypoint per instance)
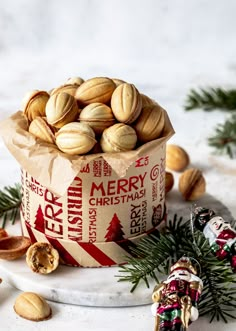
(55, 169)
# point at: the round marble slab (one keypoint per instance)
(94, 286)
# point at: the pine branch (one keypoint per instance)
(211, 99)
(155, 254)
(225, 137)
(10, 200)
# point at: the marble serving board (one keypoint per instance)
(98, 287)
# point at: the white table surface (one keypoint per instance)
(189, 44)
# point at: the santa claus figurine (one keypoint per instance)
(175, 299)
(222, 237)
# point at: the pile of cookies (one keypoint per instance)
(96, 115)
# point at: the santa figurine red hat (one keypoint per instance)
(222, 237)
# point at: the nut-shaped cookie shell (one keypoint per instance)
(126, 103)
(146, 101)
(68, 88)
(150, 123)
(98, 115)
(34, 104)
(98, 89)
(119, 137)
(32, 306)
(192, 184)
(177, 158)
(61, 109)
(75, 81)
(75, 138)
(118, 81)
(169, 181)
(40, 129)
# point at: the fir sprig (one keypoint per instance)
(224, 139)
(211, 99)
(156, 254)
(10, 200)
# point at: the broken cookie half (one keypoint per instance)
(42, 258)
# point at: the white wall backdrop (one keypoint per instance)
(156, 43)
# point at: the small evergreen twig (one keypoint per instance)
(10, 200)
(155, 254)
(225, 137)
(211, 99)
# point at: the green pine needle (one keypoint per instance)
(10, 200)
(224, 139)
(211, 99)
(157, 254)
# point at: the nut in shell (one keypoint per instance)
(98, 115)
(126, 103)
(75, 138)
(177, 158)
(32, 306)
(150, 124)
(42, 258)
(118, 138)
(192, 184)
(61, 109)
(98, 89)
(34, 104)
(40, 129)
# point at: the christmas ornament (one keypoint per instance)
(176, 299)
(222, 237)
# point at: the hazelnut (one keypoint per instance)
(118, 81)
(75, 81)
(118, 138)
(68, 88)
(98, 89)
(34, 104)
(32, 306)
(150, 123)
(98, 116)
(126, 103)
(41, 129)
(169, 181)
(192, 184)
(75, 138)
(61, 109)
(177, 158)
(42, 258)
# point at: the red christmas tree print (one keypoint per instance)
(114, 231)
(39, 220)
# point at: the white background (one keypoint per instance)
(165, 47)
